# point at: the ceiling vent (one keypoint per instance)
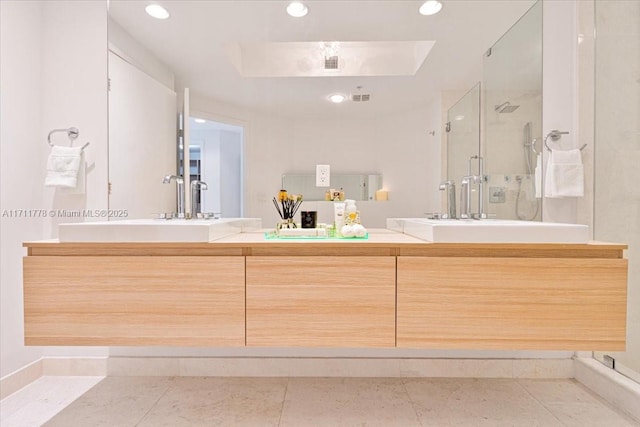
(331, 62)
(364, 97)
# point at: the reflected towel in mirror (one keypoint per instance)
(565, 174)
(538, 176)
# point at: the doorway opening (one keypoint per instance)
(216, 158)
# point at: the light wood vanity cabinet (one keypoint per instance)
(321, 301)
(392, 291)
(512, 303)
(134, 300)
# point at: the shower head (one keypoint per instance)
(506, 107)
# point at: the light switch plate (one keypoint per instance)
(323, 175)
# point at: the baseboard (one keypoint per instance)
(13, 382)
(339, 367)
(618, 390)
(75, 366)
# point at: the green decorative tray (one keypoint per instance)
(273, 235)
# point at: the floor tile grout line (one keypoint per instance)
(156, 402)
(406, 390)
(284, 399)
(539, 401)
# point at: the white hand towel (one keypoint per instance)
(81, 181)
(565, 174)
(62, 167)
(538, 177)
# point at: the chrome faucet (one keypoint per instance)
(196, 186)
(450, 188)
(180, 191)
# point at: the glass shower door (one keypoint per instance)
(617, 155)
(463, 134)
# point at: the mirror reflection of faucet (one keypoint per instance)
(196, 198)
(179, 191)
(466, 190)
(450, 187)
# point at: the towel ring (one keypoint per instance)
(72, 134)
(556, 135)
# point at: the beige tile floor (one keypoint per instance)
(302, 402)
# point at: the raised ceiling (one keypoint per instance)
(194, 42)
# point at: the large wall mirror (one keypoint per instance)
(230, 55)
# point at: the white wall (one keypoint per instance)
(75, 94)
(129, 49)
(54, 75)
(22, 150)
(142, 142)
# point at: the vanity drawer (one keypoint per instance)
(321, 301)
(512, 303)
(134, 300)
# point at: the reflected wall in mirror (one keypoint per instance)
(463, 135)
(290, 124)
(512, 91)
(142, 131)
(355, 186)
(215, 156)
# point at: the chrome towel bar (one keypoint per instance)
(72, 133)
(556, 135)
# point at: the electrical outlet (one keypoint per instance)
(323, 175)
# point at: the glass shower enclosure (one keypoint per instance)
(617, 155)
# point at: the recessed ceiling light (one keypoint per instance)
(337, 98)
(460, 117)
(157, 11)
(297, 9)
(430, 7)
(200, 120)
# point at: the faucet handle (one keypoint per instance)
(197, 183)
(167, 179)
(447, 183)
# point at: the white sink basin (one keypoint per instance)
(156, 230)
(489, 231)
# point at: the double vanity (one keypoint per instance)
(416, 284)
